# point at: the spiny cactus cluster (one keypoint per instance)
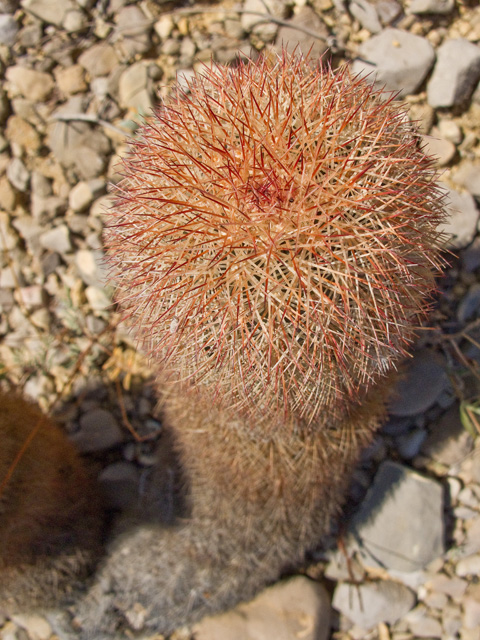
(277, 224)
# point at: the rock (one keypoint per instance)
(449, 130)
(252, 22)
(74, 21)
(135, 88)
(471, 613)
(89, 162)
(18, 174)
(452, 587)
(399, 525)
(99, 60)
(290, 37)
(448, 442)
(462, 219)
(132, 32)
(292, 609)
(8, 29)
(426, 627)
(432, 6)
(468, 176)
(71, 80)
(33, 85)
(50, 11)
(36, 626)
(20, 132)
(370, 603)
(409, 445)
(119, 484)
(388, 10)
(97, 298)
(7, 194)
(456, 73)
(98, 431)
(57, 239)
(397, 60)
(83, 194)
(91, 267)
(418, 389)
(442, 150)
(469, 566)
(469, 306)
(365, 12)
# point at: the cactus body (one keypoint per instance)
(50, 522)
(274, 243)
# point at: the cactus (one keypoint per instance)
(274, 243)
(51, 524)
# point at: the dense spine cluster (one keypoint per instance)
(275, 236)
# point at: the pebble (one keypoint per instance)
(81, 196)
(462, 218)
(469, 306)
(442, 150)
(99, 60)
(99, 430)
(426, 627)
(97, 298)
(400, 522)
(432, 6)
(119, 484)
(91, 267)
(398, 60)
(135, 88)
(18, 174)
(452, 587)
(292, 609)
(251, 22)
(290, 37)
(50, 11)
(456, 73)
(33, 85)
(8, 29)
(71, 80)
(468, 176)
(448, 442)
(132, 32)
(36, 626)
(469, 566)
(423, 382)
(20, 132)
(365, 12)
(370, 603)
(57, 239)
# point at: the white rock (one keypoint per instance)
(57, 239)
(8, 29)
(400, 522)
(31, 84)
(462, 219)
(292, 609)
(51, 11)
(36, 626)
(397, 60)
(80, 196)
(18, 175)
(469, 566)
(456, 73)
(97, 298)
(370, 603)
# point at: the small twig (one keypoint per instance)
(84, 117)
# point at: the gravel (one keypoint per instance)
(59, 334)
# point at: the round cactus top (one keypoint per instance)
(274, 240)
